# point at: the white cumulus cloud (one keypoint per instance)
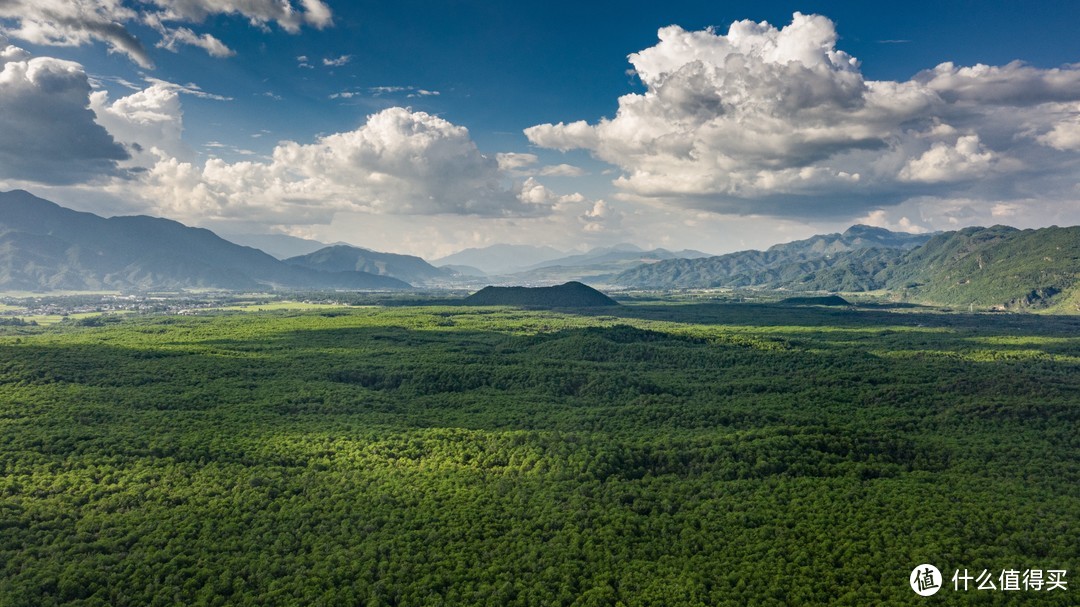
(1014, 84)
(967, 159)
(745, 114)
(59, 131)
(600, 217)
(147, 122)
(49, 134)
(564, 137)
(398, 162)
(1064, 134)
(779, 121)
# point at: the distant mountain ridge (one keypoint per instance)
(596, 267)
(506, 264)
(780, 266)
(500, 258)
(856, 237)
(344, 258)
(617, 254)
(997, 267)
(281, 246)
(45, 246)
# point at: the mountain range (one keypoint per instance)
(997, 267)
(44, 246)
(595, 266)
(830, 262)
(616, 254)
(344, 258)
(500, 258)
(281, 246)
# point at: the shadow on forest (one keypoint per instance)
(614, 377)
(781, 315)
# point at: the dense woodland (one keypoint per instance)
(695, 454)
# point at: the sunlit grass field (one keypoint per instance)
(693, 454)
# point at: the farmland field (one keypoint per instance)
(651, 454)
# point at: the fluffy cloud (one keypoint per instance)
(564, 137)
(779, 121)
(1015, 84)
(601, 217)
(1065, 134)
(148, 122)
(510, 161)
(535, 193)
(735, 114)
(399, 162)
(967, 159)
(78, 22)
(58, 131)
(49, 132)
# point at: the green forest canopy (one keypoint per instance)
(635, 455)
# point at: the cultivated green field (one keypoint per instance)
(694, 454)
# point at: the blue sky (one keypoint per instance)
(427, 127)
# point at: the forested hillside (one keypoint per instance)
(848, 261)
(996, 267)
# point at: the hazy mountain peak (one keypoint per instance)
(280, 246)
(52, 247)
(622, 247)
(501, 258)
(348, 258)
